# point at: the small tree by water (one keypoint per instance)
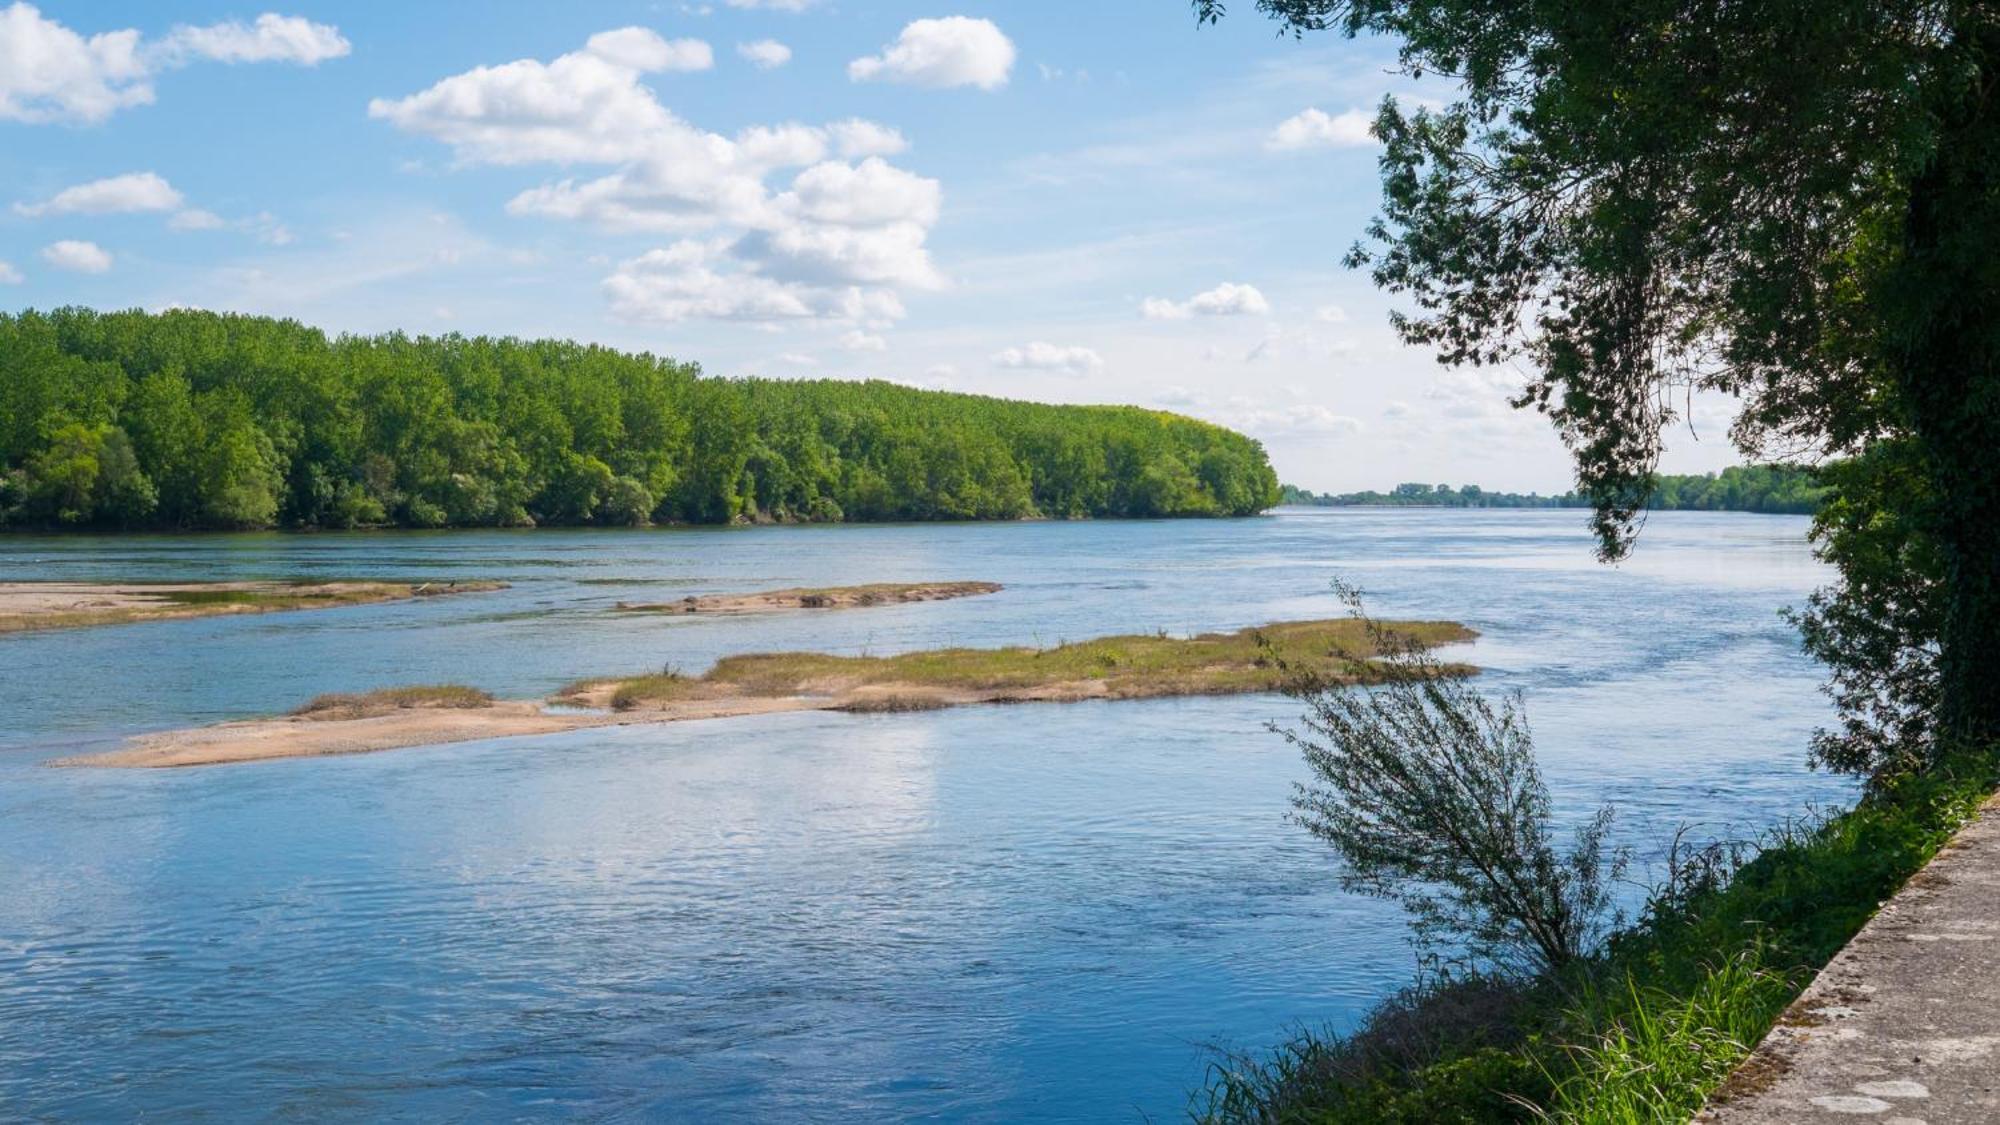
(1430, 792)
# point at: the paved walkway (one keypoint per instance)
(1903, 1026)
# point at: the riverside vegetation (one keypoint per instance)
(1538, 1000)
(189, 419)
(1777, 489)
(1636, 200)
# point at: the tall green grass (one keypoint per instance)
(1651, 1026)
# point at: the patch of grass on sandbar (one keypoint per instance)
(1122, 667)
(344, 705)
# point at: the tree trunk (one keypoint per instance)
(1944, 307)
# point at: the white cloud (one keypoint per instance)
(691, 280)
(1039, 356)
(645, 50)
(1315, 128)
(49, 73)
(798, 359)
(859, 341)
(80, 257)
(765, 54)
(1227, 299)
(273, 38)
(839, 236)
(114, 195)
(9, 275)
(1331, 314)
(1308, 418)
(194, 218)
(954, 51)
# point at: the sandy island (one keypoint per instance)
(1126, 667)
(827, 597)
(29, 606)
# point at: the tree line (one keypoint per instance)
(1785, 489)
(192, 419)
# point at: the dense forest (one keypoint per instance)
(1743, 488)
(189, 419)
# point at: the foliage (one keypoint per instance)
(1431, 794)
(1740, 488)
(1796, 202)
(1879, 631)
(1645, 1029)
(189, 419)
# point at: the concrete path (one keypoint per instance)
(1903, 1026)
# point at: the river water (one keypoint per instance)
(996, 913)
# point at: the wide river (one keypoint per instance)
(1049, 912)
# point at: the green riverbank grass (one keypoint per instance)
(1651, 1027)
(344, 705)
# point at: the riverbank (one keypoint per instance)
(1121, 667)
(1654, 1025)
(820, 597)
(36, 606)
(1905, 1020)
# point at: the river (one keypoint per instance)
(1049, 912)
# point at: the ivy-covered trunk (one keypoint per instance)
(1943, 309)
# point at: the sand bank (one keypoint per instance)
(825, 597)
(1124, 667)
(27, 606)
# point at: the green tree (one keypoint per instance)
(1794, 201)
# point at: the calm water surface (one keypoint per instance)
(988, 914)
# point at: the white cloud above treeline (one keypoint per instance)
(941, 53)
(1040, 356)
(9, 275)
(1227, 299)
(77, 256)
(50, 73)
(1315, 128)
(765, 54)
(838, 241)
(131, 193)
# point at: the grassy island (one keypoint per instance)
(1121, 667)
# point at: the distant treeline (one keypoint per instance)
(1744, 488)
(189, 419)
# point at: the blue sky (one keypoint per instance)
(1060, 201)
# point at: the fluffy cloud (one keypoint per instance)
(859, 341)
(273, 38)
(115, 195)
(1038, 356)
(692, 279)
(1315, 128)
(1331, 314)
(765, 54)
(835, 241)
(954, 51)
(79, 257)
(49, 73)
(1227, 299)
(9, 275)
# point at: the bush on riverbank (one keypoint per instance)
(1647, 1028)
